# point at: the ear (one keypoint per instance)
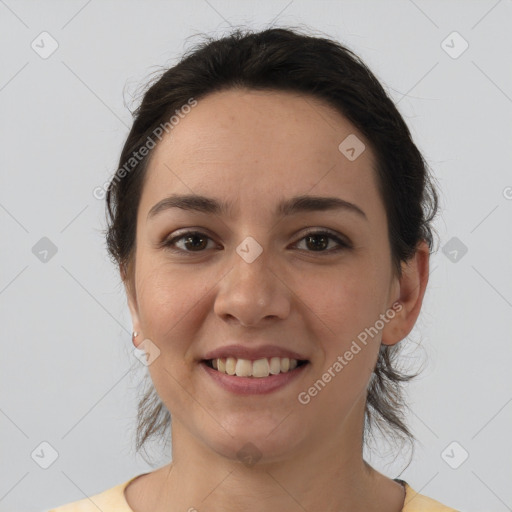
(133, 306)
(410, 292)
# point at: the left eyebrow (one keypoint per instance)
(288, 207)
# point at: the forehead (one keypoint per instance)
(255, 145)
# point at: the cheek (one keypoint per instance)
(345, 305)
(346, 300)
(169, 303)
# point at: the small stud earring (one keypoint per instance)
(135, 334)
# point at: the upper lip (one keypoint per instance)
(253, 353)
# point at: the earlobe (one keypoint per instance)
(412, 287)
(134, 312)
(136, 338)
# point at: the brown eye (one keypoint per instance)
(318, 241)
(192, 241)
(195, 241)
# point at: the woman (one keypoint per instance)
(271, 219)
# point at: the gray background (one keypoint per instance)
(68, 374)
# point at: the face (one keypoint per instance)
(308, 281)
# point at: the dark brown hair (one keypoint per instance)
(286, 60)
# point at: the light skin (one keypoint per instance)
(254, 149)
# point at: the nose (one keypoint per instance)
(252, 293)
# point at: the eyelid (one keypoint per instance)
(178, 235)
(343, 242)
(318, 231)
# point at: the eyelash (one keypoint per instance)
(168, 244)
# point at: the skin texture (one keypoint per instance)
(253, 149)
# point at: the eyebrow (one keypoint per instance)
(298, 204)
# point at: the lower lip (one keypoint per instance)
(253, 385)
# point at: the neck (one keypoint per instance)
(326, 474)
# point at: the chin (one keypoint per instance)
(258, 443)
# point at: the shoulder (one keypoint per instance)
(106, 501)
(416, 502)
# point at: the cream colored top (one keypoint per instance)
(113, 500)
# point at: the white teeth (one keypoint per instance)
(243, 368)
(275, 365)
(259, 368)
(230, 366)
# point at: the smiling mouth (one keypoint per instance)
(259, 368)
